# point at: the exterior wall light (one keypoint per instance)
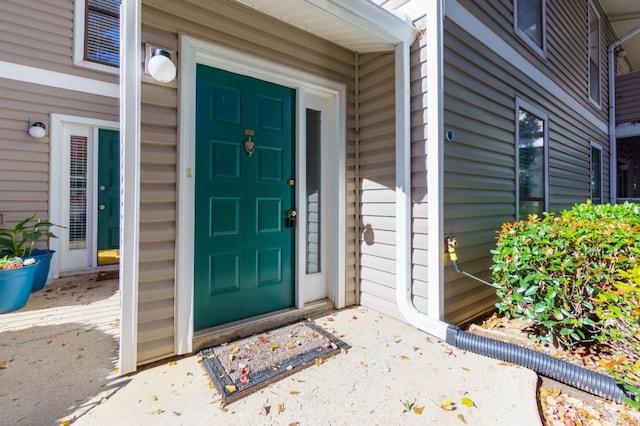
(37, 129)
(160, 66)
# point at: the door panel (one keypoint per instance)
(108, 189)
(243, 263)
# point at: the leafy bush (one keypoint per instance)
(619, 310)
(549, 270)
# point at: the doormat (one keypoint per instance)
(242, 367)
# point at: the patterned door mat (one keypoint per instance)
(242, 367)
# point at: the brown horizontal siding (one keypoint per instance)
(42, 37)
(24, 165)
(480, 93)
(628, 98)
(566, 38)
(233, 26)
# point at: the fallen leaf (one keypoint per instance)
(330, 319)
(354, 317)
(407, 405)
(172, 363)
(319, 361)
(291, 346)
(263, 340)
(266, 409)
(404, 357)
(397, 338)
(154, 398)
(280, 408)
(273, 347)
(462, 419)
(294, 424)
(448, 405)
(244, 380)
(230, 388)
(233, 350)
(115, 370)
(156, 412)
(4, 364)
(418, 410)
(64, 422)
(189, 373)
(176, 413)
(468, 402)
(294, 392)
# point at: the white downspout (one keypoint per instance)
(432, 322)
(613, 143)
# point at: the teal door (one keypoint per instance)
(108, 189)
(243, 263)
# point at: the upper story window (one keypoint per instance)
(529, 23)
(594, 55)
(97, 34)
(532, 155)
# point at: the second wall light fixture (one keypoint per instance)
(159, 65)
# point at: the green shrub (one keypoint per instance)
(549, 270)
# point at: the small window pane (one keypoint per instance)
(596, 175)
(531, 163)
(314, 167)
(530, 20)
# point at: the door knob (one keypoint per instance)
(291, 218)
(102, 188)
(101, 207)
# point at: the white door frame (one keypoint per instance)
(57, 178)
(193, 51)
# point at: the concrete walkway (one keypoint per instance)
(57, 372)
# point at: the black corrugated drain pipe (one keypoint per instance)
(543, 364)
(573, 375)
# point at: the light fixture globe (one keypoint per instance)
(37, 130)
(161, 67)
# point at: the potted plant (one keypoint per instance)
(19, 241)
(16, 282)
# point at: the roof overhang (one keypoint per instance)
(357, 25)
(624, 16)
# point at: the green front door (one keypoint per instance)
(108, 189)
(243, 263)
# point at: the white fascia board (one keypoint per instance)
(627, 131)
(371, 18)
(44, 77)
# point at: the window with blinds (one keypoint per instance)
(78, 193)
(102, 38)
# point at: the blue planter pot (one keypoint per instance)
(15, 287)
(43, 257)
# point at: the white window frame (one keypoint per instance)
(598, 103)
(598, 147)
(540, 50)
(522, 104)
(79, 35)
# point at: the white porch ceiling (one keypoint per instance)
(357, 25)
(624, 16)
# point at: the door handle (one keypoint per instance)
(101, 207)
(291, 218)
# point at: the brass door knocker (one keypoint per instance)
(249, 146)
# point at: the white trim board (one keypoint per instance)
(465, 19)
(195, 51)
(59, 80)
(627, 131)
